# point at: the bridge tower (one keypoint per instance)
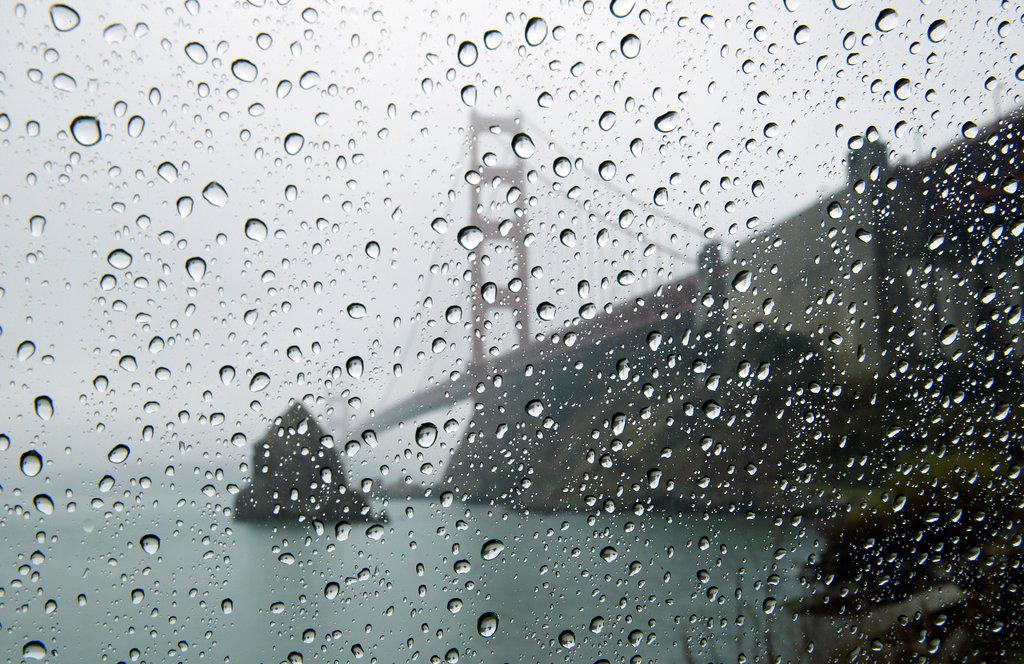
(500, 270)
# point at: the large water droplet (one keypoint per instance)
(354, 366)
(215, 194)
(426, 435)
(196, 268)
(470, 237)
(666, 122)
(118, 453)
(150, 543)
(938, 30)
(34, 649)
(293, 143)
(467, 54)
(523, 146)
(887, 20)
(536, 31)
(244, 70)
(44, 407)
(546, 311)
(741, 282)
(31, 463)
(491, 549)
(86, 131)
(256, 230)
(259, 382)
(630, 46)
(43, 503)
(196, 52)
(119, 259)
(64, 18)
(487, 624)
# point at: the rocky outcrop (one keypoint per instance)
(295, 476)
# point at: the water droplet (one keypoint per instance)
(356, 310)
(150, 543)
(227, 374)
(938, 30)
(887, 20)
(196, 268)
(606, 169)
(372, 249)
(625, 278)
(44, 407)
(167, 171)
(949, 334)
(342, 529)
(244, 70)
(255, 230)
(293, 143)
(227, 606)
(902, 88)
(835, 210)
(215, 194)
(119, 259)
(375, 532)
(43, 503)
(741, 282)
(354, 366)
(259, 382)
(467, 54)
(608, 554)
(536, 31)
(523, 146)
(118, 453)
(426, 435)
(487, 624)
(630, 46)
(196, 52)
(31, 463)
(64, 18)
(546, 311)
(621, 8)
(34, 649)
(666, 122)
(26, 349)
(85, 129)
(535, 408)
(470, 237)
(567, 639)
(491, 549)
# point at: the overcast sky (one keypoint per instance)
(766, 92)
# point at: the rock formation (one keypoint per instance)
(294, 475)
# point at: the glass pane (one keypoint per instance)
(585, 331)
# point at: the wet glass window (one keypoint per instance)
(584, 331)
